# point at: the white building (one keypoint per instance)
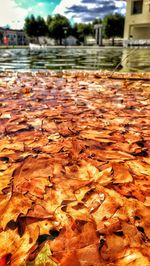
(137, 22)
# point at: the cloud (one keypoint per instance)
(11, 14)
(86, 11)
(38, 7)
(40, 4)
(32, 3)
(64, 4)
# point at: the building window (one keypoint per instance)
(137, 7)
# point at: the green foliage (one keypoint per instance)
(58, 27)
(41, 26)
(81, 30)
(113, 25)
(35, 27)
(97, 21)
(49, 20)
(30, 26)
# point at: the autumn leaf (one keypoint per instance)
(74, 168)
(43, 258)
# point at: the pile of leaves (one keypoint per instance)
(74, 169)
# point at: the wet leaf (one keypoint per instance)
(44, 258)
(74, 169)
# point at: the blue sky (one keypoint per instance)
(13, 12)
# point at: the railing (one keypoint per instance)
(131, 43)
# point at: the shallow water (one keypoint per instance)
(131, 59)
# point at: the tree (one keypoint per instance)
(81, 30)
(30, 26)
(48, 22)
(58, 27)
(97, 21)
(35, 27)
(42, 28)
(113, 26)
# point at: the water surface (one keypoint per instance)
(131, 59)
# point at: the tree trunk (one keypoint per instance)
(37, 40)
(113, 41)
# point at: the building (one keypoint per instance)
(70, 40)
(22, 39)
(13, 37)
(10, 37)
(137, 23)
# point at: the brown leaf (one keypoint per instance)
(17, 204)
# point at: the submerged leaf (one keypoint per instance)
(44, 258)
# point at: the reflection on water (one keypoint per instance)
(76, 58)
(136, 60)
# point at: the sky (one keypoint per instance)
(13, 12)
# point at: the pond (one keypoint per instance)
(80, 58)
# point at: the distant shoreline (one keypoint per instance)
(59, 46)
(13, 46)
